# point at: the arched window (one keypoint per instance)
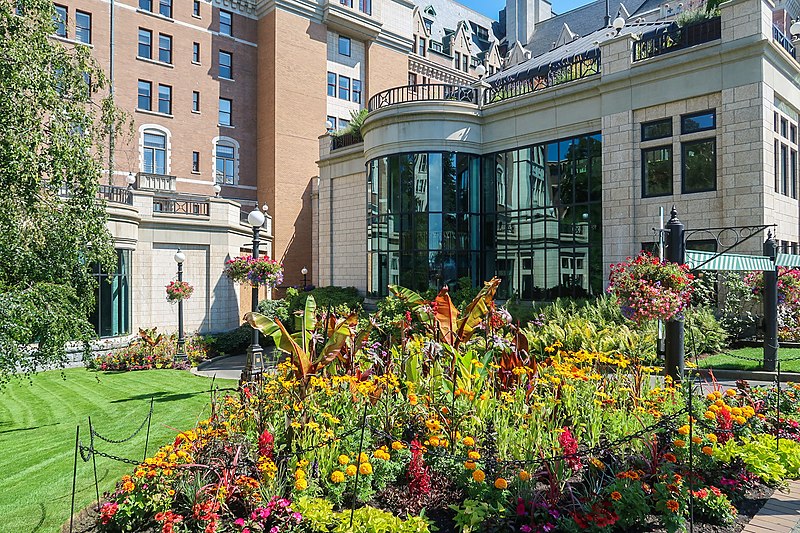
(155, 146)
(226, 161)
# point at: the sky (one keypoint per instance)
(490, 8)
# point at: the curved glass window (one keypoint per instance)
(530, 216)
(111, 315)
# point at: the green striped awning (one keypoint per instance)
(787, 260)
(727, 262)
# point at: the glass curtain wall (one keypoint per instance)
(111, 316)
(530, 216)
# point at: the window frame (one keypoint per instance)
(196, 53)
(165, 8)
(669, 148)
(349, 45)
(332, 120)
(228, 25)
(59, 22)
(140, 84)
(195, 101)
(168, 98)
(343, 88)
(353, 84)
(196, 162)
(196, 8)
(80, 29)
(684, 146)
(149, 44)
(152, 150)
(229, 112)
(649, 123)
(712, 112)
(233, 159)
(165, 52)
(146, 5)
(221, 65)
(332, 87)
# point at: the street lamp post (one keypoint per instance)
(253, 366)
(304, 271)
(180, 355)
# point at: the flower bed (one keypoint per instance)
(151, 351)
(455, 418)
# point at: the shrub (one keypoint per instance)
(334, 298)
(275, 309)
(231, 342)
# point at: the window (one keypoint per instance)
(195, 101)
(224, 111)
(196, 53)
(344, 46)
(457, 60)
(699, 165)
(226, 163)
(165, 99)
(482, 32)
(357, 91)
(165, 8)
(344, 87)
(111, 314)
(164, 48)
(60, 21)
(145, 43)
(331, 84)
(145, 93)
(146, 5)
(412, 78)
(83, 27)
(657, 129)
(195, 161)
(365, 6)
(657, 171)
(155, 152)
(706, 120)
(465, 62)
(343, 123)
(421, 50)
(225, 65)
(785, 149)
(330, 123)
(225, 22)
(196, 8)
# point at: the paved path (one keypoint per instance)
(781, 514)
(222, 367)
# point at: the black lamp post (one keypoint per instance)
(180, 356)
(253, 366)
(304, 271)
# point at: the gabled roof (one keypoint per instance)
(448, 16)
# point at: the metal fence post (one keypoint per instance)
(770, 307)
(676, 253)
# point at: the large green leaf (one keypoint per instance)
(269, 328)
(342, 331)
(414, 302)
(309, 321)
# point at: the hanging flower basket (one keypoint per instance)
(649, 289)
(179, 290)
(255, 271)
(788, 286)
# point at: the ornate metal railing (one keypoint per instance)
(114, 194)
(148, 181)
(344, 140)
(423, 93)
(673, 38)
(180, 206)
(782, 40)
(574, 68)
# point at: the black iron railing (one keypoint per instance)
(423, 93)
(114, 194)
(574, 68)
(674, 38)
(180, 206)
(782, 40)
(344, 140)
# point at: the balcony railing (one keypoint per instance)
(345, 140)
(147, 181)
(423, 93)
(674, 38)
(783, 40)
(570, 69)
(116, 195)
(180, 205)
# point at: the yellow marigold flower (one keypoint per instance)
(365, 469)
(740, 420)
(709, 415)
(730, 392)
(719, 403)
(343, 459)
(473, 455)
(470, 465)
(412, 399)
(500, 483)
(363, 458)
(684, 430)
(299, 474)
(434, 441)
(128, 486)
(468, 441)
(524, 475)
(708, 450)
(350, 470)
(301, 484)
(710, 397)
(711, 438)
(736, 411)
(679, 443)
(337, 476)
(479, 476)
(397, 445)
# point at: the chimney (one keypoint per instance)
(521, 19)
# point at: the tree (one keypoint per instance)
(54, 119)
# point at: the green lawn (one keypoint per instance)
(37, 435)
(727, 361)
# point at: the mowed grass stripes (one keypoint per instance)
(37, 435)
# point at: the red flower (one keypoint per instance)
(266, 444)
(419, 477)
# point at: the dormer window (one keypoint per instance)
(428, 24)
(482, 33)
(430, 11)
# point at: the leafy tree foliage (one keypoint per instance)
(54, 119)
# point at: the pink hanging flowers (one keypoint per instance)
(179, 290)
(648, 289)
(255, 271)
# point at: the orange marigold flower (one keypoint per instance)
(350, 470)
(469, 442)
(128, 486)
(697, 440)
(679, 443)
(708, 450)
(479, 476)
(524, 475)
(616, 496)
(673, 506)
(470, 465)
(473, 455)
(670, 458)
(500, 483)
